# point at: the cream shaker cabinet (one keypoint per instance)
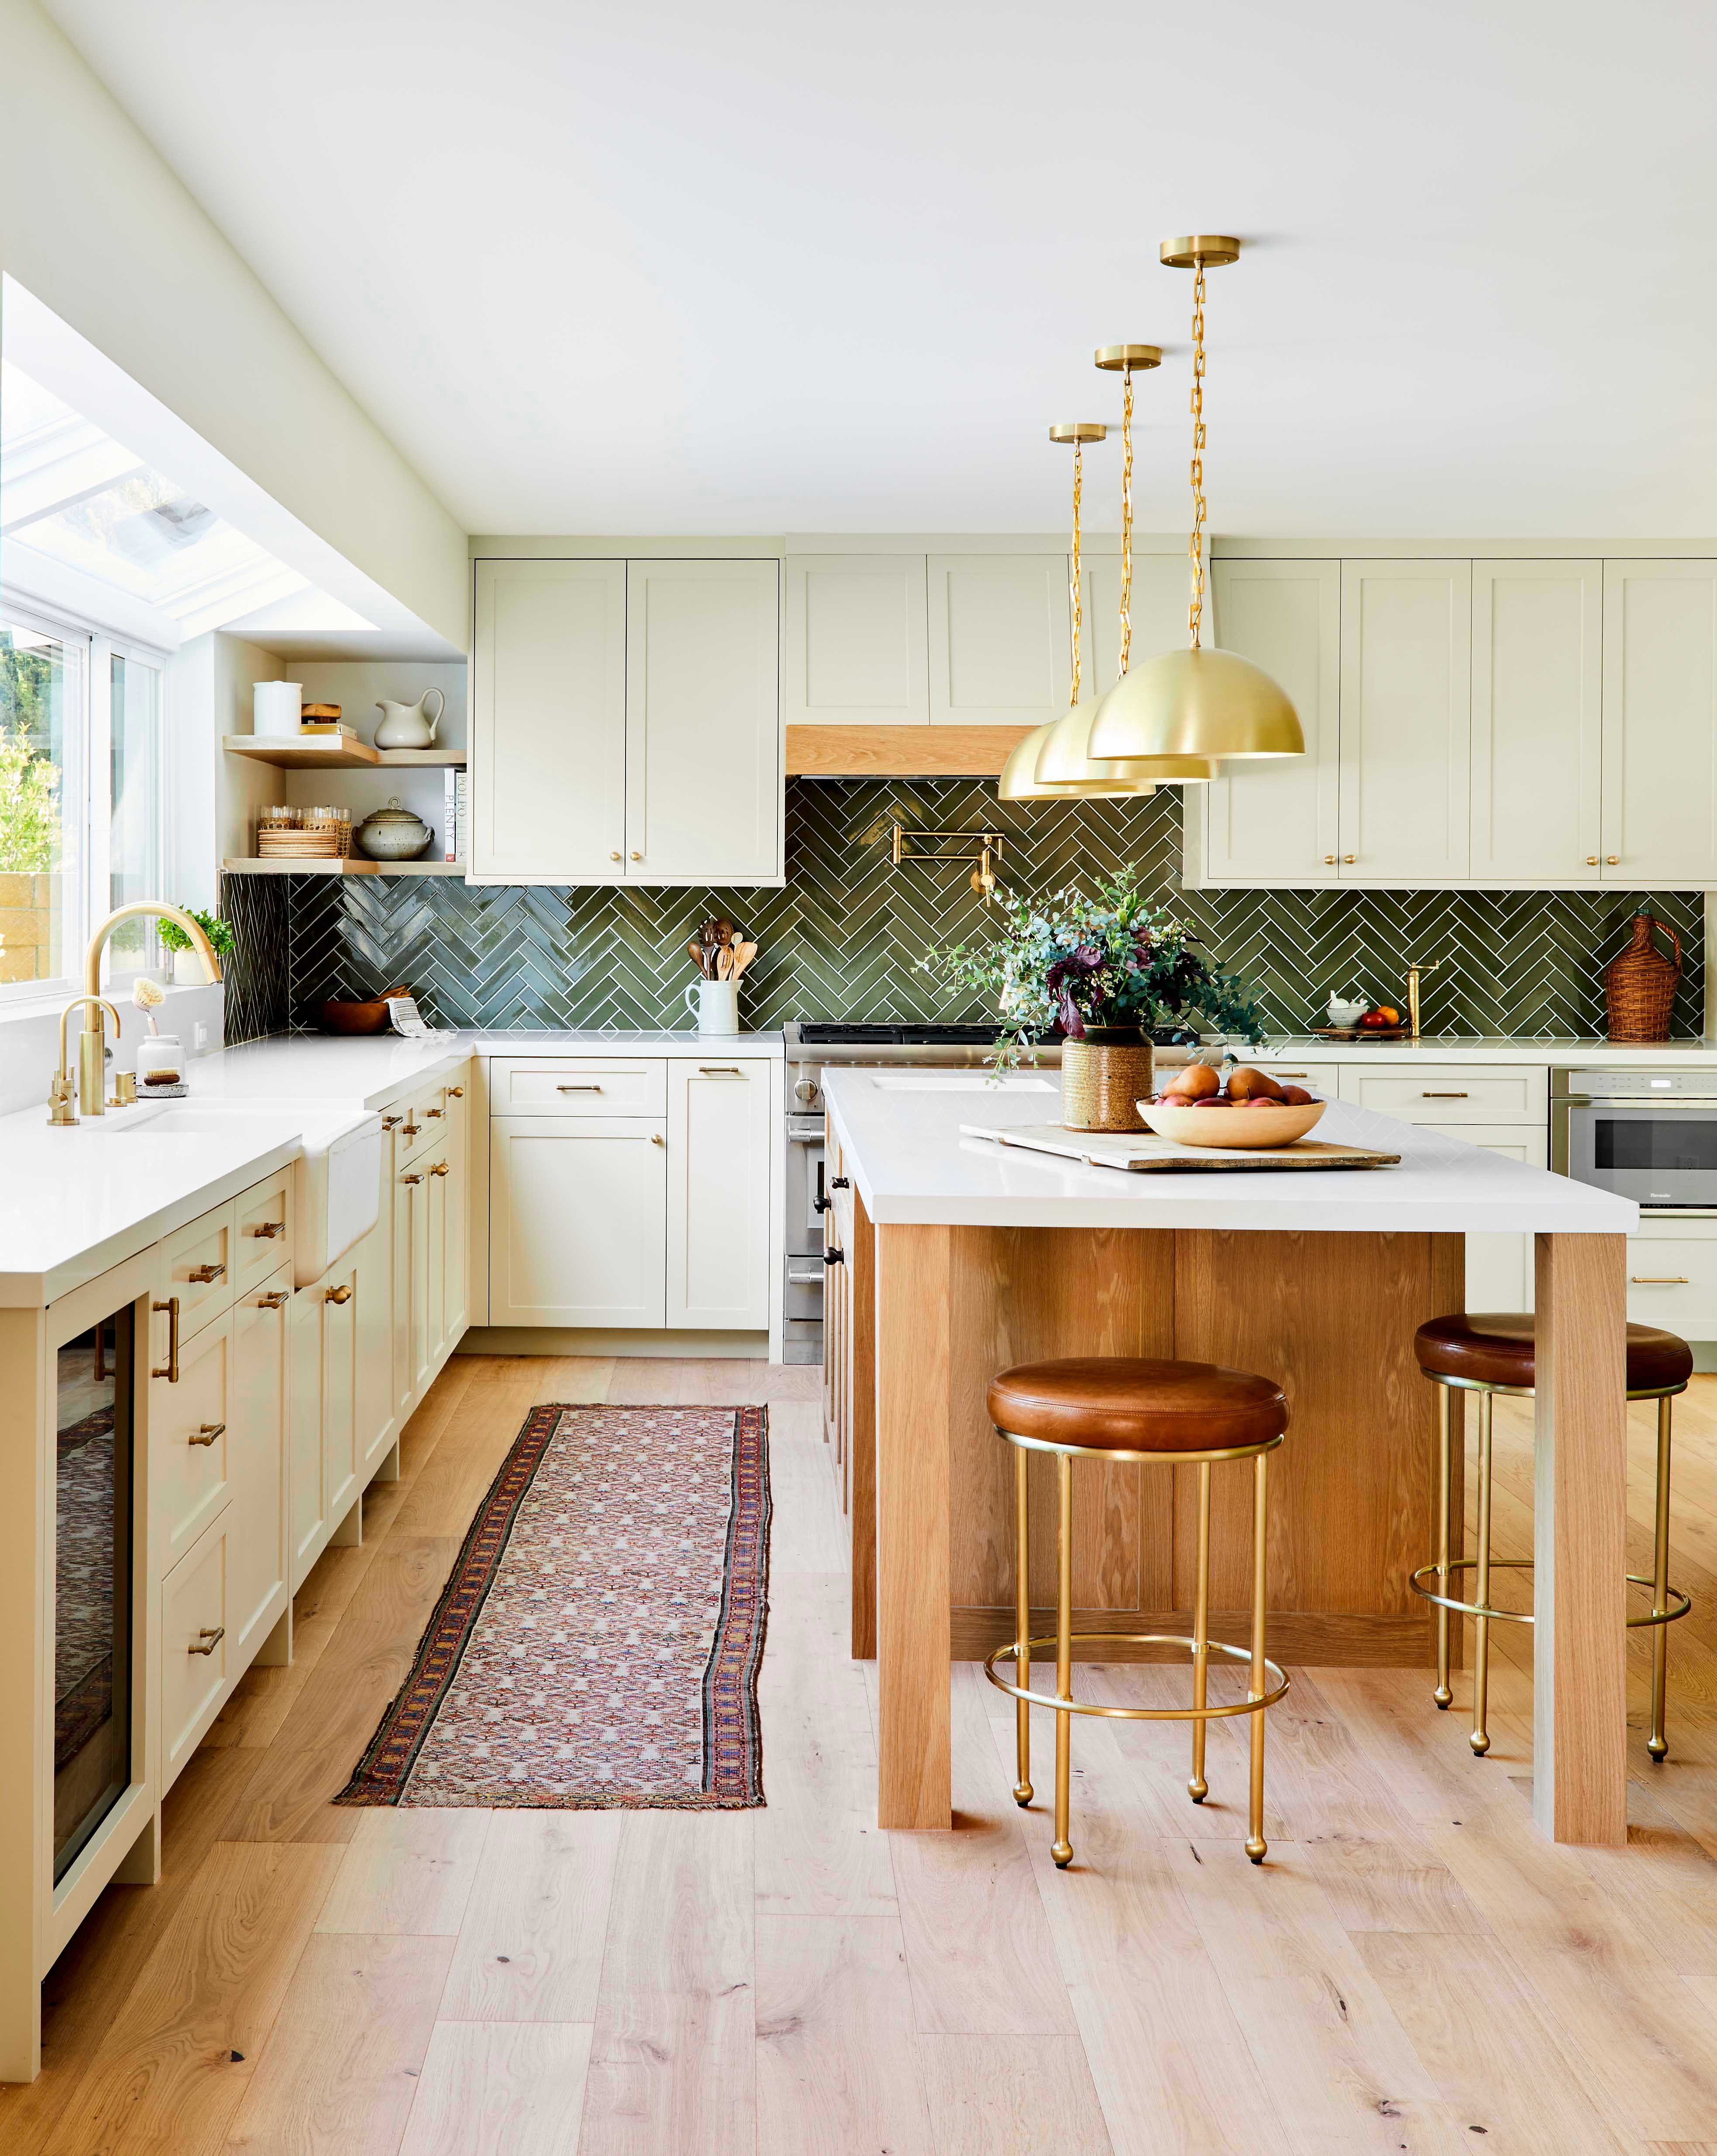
(1275, 820)
(855, 652)
(260, 1402)
(1537, 722)
(1660, 723)
(719, 1149)
(577, 1221)
(626, 722)
(1000, 639)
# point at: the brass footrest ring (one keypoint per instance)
(1682, 1600)
(1011, 1652)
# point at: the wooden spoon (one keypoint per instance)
(724, 963)
(743, 953)
(698, 957)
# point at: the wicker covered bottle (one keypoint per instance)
(1639, 986)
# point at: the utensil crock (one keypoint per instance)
(717, 1003)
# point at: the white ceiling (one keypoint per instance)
(754, 267)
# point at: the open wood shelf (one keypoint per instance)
(324, 867)
(333, 753)
(900, 752)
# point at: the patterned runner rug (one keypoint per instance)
(596, 1644)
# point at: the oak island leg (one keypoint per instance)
(914, 1646)
(1580, 1690)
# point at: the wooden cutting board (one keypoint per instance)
(1143, 1152)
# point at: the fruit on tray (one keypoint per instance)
(1199, 1087)
(1247, 1083)
(1383, 1019)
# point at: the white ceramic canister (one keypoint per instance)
(277, 707)
(717, 1003)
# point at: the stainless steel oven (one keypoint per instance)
(1647, 1135)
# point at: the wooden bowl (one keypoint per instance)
(1242, 1129)
(355, 1017)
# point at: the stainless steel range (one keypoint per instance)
(812, 1048)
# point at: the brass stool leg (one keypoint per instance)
(1062, 1849)
(1480, 1737)
(1656, 1744)
(1198, 1788)
(1256, 1845)
(1443, 1695)
(1022, 1620)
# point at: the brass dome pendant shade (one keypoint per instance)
(1195, 703)
(1020, 780)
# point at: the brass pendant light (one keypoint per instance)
(1019, 780)
(1195, 702)
(1064, 757)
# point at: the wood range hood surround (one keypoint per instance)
(895, 751)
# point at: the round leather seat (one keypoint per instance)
(1497, 1347)
(1116, 1404)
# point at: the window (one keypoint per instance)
(80, 799)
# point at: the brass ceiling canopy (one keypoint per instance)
(1129, 358)
(1078, 432)
(1197, 703)
(1199, 250)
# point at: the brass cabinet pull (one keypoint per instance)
(719, 1070)
(656, 1138)
(206, 1433)
(172, 1371)
(388, 1122)
(455, 1092)
(577, 1089)
(1591, 860)
(1291, 1074)
(337, 1295)
(409, 1129)
(439, 1168)
(277, 1300)
(211, 1636)
(435, 1112)
(203, 1275)
(270, 1229)
(411, 1179)
(1443, 1096)
(1657, 1280)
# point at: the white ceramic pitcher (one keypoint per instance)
(409, 726)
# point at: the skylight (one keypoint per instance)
(73, 498)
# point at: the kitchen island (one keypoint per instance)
(962, 1256)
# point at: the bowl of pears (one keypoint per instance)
(1256, 1111)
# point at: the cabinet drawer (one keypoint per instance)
(1320, 1078)
(1672, 1281)
(194, 1662)
(586, 1085)
(197, 1261)
(262, 1232)
(412, 1125)
(189, 1440)
(1451, 1093)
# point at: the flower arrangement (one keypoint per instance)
(1096, 960)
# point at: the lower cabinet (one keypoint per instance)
(260, 1393)
(577, 1221)
(1672, 1277)
(197, 1652)
(718, 1151)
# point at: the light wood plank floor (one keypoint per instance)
(1414, 1970)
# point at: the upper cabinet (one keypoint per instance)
(1000, 630)
(1406, 707)
(1660, 723)
(626, 722)
(1275, 822)
(1537, 721)
(856, 650)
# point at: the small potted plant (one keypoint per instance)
(188, 970)
(1103, 966)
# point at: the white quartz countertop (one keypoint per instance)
(901, 1134)
(74, 1201)
(1495, 1048)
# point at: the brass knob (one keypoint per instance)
(1613, 860)
(337, 1295)
(614, 857)
(637, 857)
(1329, 860)
(656, 1138)
(1350, 858)
(439, 1169)
(1591, 860)
(455, 1092)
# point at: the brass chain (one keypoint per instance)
(1073, 597)
(1126, 516)
(1195, 545)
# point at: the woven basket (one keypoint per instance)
(1639, 987)
(303, 842)
(1104, 1077)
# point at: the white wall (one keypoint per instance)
(99, 228)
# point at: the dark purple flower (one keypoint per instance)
(1078, 965)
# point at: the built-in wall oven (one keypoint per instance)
(1647, 1135)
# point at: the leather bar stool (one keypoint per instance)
(1175, 1415)
(1491, 1353)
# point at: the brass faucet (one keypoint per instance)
(1429, 966)
(90, 1075)
(60, 1109)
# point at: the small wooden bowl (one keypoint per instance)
(1246, 1130)
(355, 1017)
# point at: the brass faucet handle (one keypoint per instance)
(62, 1096)
(125, 1089)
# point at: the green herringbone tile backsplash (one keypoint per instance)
(842, 939)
